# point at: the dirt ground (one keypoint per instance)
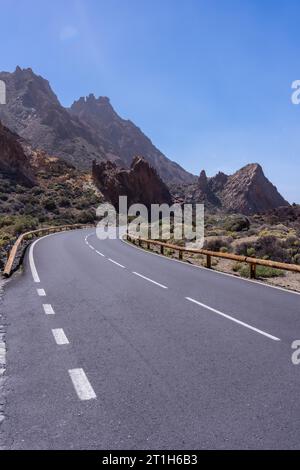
(289, 281)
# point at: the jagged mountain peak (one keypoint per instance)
(90, 130)
(91, 109)
(247, 191)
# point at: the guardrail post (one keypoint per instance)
(208, 261)
(139, 241)
(252, 271)
(161, 249)
(179, 254)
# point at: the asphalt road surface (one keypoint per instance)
(110, 347)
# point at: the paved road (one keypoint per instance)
(129, 350)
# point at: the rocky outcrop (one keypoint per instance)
(123, 139)
(217, 183)
(203, 191)
(90, 130)
(34, 112)
(141, 183)
(247, 191)
(13, 160)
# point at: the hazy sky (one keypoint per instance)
(209, 81)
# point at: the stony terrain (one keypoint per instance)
(57, 165)
(89, 130)
(247, 191)
(141, 183)
(13, 160)
(2, 363)
(60, 195)
(273, 235)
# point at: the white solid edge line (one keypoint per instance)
(82, 385)
(150, 280)
(41, 292)
(233, 319)
(115, 262)
(31, 258)
(60, 337)
(48, 309)
(32, 263)
(252, 281)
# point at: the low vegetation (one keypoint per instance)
(261, 271)
(61, 200)
(272, 236)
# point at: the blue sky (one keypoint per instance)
(209, 81)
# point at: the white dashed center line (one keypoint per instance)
(48, 309)
(60, 337)
(118, 264)
(150, 280)
(101, 254)
(41, 292)
(233, 319)
(82, 385)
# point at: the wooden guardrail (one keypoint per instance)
(8, 270)
(253, 262)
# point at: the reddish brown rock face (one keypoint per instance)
(141, 184)
(13, 160)
(249, 191)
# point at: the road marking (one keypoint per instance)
(99, 253)
(233, 319)
(41, 292)
(233, 276)
(82, 385)
(48, 309)
(32, 264)
(118, 264)
(150, 280)
(60, 337)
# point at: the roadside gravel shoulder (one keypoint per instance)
(2, 362)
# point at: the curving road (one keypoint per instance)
(110, 347)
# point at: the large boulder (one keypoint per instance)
(141, 183)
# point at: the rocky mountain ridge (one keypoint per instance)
(89, 130)
(247, 191)
(90, 134)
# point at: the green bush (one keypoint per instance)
(86, 217)
(296, 258)
(217, 243)
(50, 205)
(25, 224)
(261, 271)
(236, 223)
(251, 252)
